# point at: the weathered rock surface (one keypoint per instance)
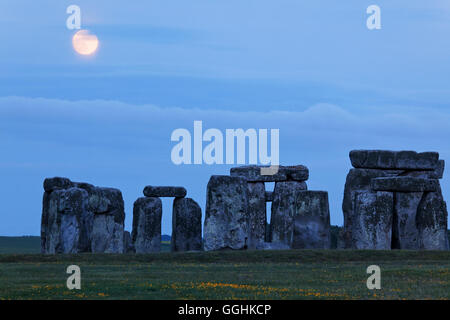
(128, 246)
(296, 173)
(108, 224)
(253, 173)
(45, 228)
(268, 236)
(405, 232)
(57, 183)
(354, 234)
(437, 173)
(226, 216)
(146, 234)
(186, 225)
(257, 217)
(409, 196)
(158, 192)
(64, 213)
(384, 159)
(372, 225)
(283, 210)
(79, 217)
(431, 220)
(404, 184)
(311, 221)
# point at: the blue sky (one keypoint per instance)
(311, 69)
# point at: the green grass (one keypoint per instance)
(290, 274)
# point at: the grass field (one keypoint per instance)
(292, 274)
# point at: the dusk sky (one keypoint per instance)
(311, 69)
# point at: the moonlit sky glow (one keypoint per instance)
(84, 43)
(310, 68)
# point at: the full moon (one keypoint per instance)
(85, 43)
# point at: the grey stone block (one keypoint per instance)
(146, 234)
(158, 192)
(311, 221)
(404, 184)
(384, 159)
(226, 217)
(186, 225)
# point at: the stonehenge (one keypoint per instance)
(79, 217)
(236, 216)
(186, 225)
(311, 221)
(392, 200)
(146, 234)
(152, 191)
(147, 215)
(226, 222)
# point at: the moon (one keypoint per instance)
(85, 43)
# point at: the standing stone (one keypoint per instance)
(268, 233)
(419, 214)
(65, 212)
(79, 217)
(359, 182)
(44, 221)
(108, 224)
(405, 231)
(372, 223)
(432, 222)
(312, 221)
(226, 219)
(128, 246)
(186, 225)
(283, 211)
(257, 217)
(146, 235)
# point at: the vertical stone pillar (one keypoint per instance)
(146, 234)
(186, 225)
(226, 216)
(372, 226)
(108, 224)
(256, 214)
(312, 221)
(405, 234)
(431, 220)
(64, 215)
(283, 211)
